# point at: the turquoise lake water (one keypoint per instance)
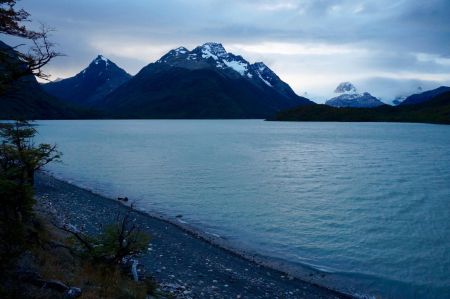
(368, 204)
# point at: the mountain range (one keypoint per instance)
(350, 97)
(207, 82)
(434, 110)
(424, 96)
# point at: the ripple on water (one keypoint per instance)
(366, 202)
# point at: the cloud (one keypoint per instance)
(145, 52)
(297, 48)
(427, 58)
(388, 89)
(277, 5)
(312, 44)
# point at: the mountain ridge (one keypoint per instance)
(207, 82)
(350, 97)
(436, 110)
(90, 85)
(424, 96)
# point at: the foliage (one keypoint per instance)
(19, 156)
(19, 159)
(10, 20)
(30, 62)
(53, 262)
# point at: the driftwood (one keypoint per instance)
(134, 270)
(35, 279)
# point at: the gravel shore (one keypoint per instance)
(179, 260)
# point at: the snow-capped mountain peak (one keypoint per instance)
(214, 56)
(181, 50)
(207, 54)
(102, 67)
(349, 97)
(98, 79)
(101, 59)
(346, 87)
(214, 50)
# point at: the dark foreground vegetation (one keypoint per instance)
(46, 247)
(59, 241)
(44, 257)
(436, 110)
(40, 258)
(21, 96)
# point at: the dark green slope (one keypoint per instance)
(25, 99)
(435, 110)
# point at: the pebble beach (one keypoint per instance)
(184, 263)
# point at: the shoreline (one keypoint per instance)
(274, 277)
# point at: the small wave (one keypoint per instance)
(213, 234)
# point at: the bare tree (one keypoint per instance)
(118, 241)
(15, 64)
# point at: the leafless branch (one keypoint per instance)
(77, 235)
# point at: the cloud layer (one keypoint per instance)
(386, 47)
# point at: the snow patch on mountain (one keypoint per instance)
(238, 66)
(264, 73)
(398, 100)
(264, 80)
(207, 53)
(349, 97)
(180, 51)
(101, 58)
(215, 48)
(261, 66)
(215, 56)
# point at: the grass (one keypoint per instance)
(95, 280)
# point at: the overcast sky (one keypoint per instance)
(385, 47)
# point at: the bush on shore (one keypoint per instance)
(20, 158)
(118, 241)
(36, 259)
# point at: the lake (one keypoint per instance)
(366, 204)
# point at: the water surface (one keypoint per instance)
(368, 203)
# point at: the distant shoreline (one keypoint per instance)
(434, 111)
(192, 247)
